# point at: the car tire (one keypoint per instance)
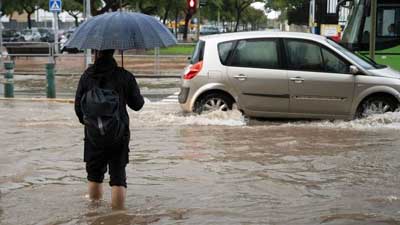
(213, 102)
(376, 105)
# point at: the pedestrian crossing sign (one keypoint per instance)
(55, 5)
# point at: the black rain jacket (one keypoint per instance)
(108, 72)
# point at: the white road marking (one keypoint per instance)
(171, 99)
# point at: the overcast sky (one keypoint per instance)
(260, 5)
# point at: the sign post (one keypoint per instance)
(55, 7)
(88, 52)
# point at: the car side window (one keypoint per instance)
(333, 64)
(224, 50)
(304, 55)
(257, 53)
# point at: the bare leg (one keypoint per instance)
(95, 190)
(118, 197)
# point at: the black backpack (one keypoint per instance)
(102, 115)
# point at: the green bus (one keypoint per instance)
(357, 30)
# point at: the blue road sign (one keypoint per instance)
(55, 5)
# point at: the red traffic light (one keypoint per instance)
(192, 4)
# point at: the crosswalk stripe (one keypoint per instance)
(171, 98)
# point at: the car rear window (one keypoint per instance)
(198, 53)
(224, 50)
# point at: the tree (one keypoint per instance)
(149, 7)
(8, 7)
(212, 9)
(167, 6)
(283, 5)
(178, 7)
(287, 7)
(73, 8)
(102, 6)
(29, 7)
(239, 6)
(255, 17)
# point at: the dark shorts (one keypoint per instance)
(98, 160)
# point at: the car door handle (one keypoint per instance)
(297, 80)
(240, 77)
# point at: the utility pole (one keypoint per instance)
(372, 37)
(88, 52)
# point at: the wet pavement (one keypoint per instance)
(217, 168)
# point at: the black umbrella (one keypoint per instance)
(121, 31)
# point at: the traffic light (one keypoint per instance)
(192, 5)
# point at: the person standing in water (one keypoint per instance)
(103, 92)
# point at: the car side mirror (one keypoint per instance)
(354, 70)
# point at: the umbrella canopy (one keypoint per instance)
(121, 31)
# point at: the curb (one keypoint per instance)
(57, 100)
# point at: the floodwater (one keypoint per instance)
(217, 168)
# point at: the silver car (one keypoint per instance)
(286, 75)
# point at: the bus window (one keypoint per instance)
(367, 30)
(388, 22)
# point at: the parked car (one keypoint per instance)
(46, 35)
(38, 35)
(209, 29)
(31, 35)
(286, 75)
(10, 35)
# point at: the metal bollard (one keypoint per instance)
(51, 87)
(9, 80)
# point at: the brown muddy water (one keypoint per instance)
(210, 169)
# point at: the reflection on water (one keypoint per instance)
(216, 168)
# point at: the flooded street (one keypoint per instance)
(217, 168)
(209, 169)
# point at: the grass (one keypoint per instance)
(389, 60)
(186, 49)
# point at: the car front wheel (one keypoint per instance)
(376, 105)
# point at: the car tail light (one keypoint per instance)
(193, 70)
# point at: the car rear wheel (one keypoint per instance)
(376, 105)
(214, 102)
